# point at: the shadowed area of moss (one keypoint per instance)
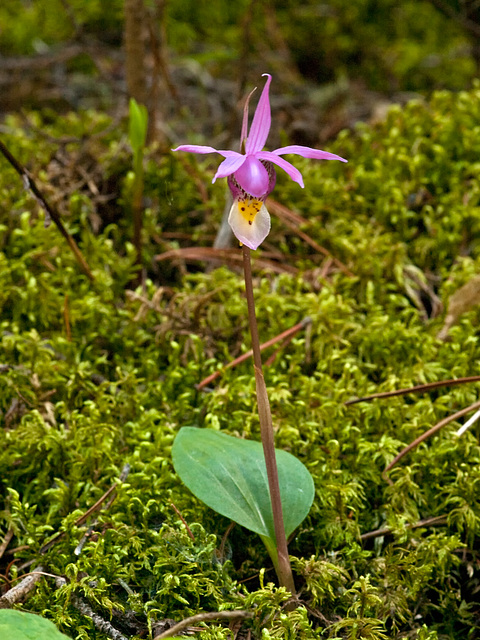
(97, 376)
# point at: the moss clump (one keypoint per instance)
(95, 376)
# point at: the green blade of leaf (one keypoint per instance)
(137, 132)
(19, 625)
(229, 475)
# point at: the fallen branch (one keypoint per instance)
(224, 256)
(52, 214)
(430, 432)
(85, 609)
(418, 389)
(21, 590)
(248, 354)
(203, 617)
(386, 531)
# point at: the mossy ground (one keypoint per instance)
(99, 375)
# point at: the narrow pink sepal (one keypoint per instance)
(292, 171)
(308, 152)
(229, 165)
(195, 148)
(262, 119)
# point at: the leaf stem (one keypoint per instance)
(282, 563)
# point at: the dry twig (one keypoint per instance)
(20, 591)
(50, 211)
(430, 432)
(203, 617)
(286, 335)
(421, 387)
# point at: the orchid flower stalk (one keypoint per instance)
(251, 178)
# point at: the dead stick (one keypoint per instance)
(249, 353)
(30, 185)
(17, 593)
(385, 531)
(85, 609)
(417, 389)
(89, 511)
(430, 432)
(203, 617)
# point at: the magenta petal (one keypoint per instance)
(261, 121)
(308, 152)
(196, 148)
(253, 177)
(229, 165)
(294, 173)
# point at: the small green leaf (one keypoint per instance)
(19, 625)
(138, 125)
(230, 476)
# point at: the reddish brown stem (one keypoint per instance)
(283, 567)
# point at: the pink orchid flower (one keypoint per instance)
(251, 175)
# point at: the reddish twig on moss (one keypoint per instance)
(386, 531)
(187, 528)
(292, 221)
(228, 256)
(418, 389)
(6, 541)
(287, 335)
(430, 432)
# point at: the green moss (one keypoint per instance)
(113, 385)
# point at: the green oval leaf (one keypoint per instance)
(19, 625)
(230, 476)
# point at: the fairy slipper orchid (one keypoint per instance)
(251, 174)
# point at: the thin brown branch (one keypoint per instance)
(292, 221)
(110, 493)
(286, 335)
(418, 389)
(430, 432)
(51, 212)
(460, 17)
(228, 256)
(203, 617)
(135, 50)
(386, 531)
(177, 511)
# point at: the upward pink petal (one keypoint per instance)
(261, 121)
(308, 152)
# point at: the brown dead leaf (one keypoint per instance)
(464, 299)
